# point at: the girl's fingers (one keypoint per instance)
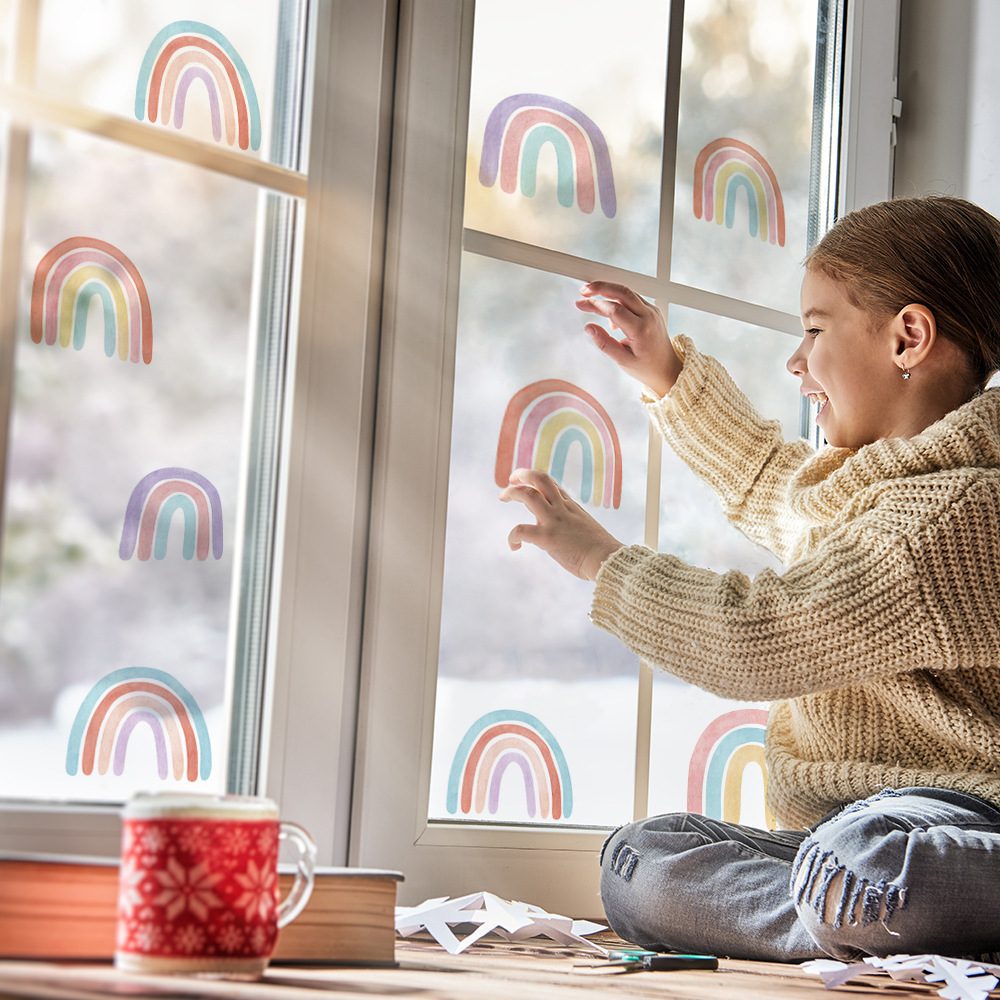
(527, 495)
(522, 533)
(540, 481)
(622, 293)
(614, 349)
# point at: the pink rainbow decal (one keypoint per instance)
(725, 166)
(729, 744)
(543, 420)
(498, 741)
(186, 51)
(520, 124)
(65, 280)
(122, 700)
(150, 509)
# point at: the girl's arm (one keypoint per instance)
(702, 415)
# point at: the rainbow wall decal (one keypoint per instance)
(497, 741)
(726, 166)
(65, 281)
(122, 700)
(183, 52)
(543, 421)
(729, 745)
(152, 505)
(517, 129)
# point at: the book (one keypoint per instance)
(61, 907)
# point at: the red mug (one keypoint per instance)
(198, 886)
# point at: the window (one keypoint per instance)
(247, 372)
(536, 733)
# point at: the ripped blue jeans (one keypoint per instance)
(910, 870)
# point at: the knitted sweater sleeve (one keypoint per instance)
(712, 426)
(853, 611)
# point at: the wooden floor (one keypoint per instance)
(488, 971)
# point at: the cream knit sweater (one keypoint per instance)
(879, 645)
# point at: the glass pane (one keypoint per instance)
(211, 79)
(535, 718)
(123, 474)
(6, 40)
(557, 157)
(743, 148)
(706, 752)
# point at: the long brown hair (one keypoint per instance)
(940, 252)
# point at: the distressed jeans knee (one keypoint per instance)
(900, 871)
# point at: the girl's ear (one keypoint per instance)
(915, 331)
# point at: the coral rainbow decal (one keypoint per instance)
(152, 505)
(543, 421)
(729, 745)
(517, 129)
(497, 741)
(183, 52)
(727, 166)
(122, 700)
(66, 280)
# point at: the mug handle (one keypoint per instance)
(294, 903)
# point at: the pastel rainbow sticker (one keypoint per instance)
(543, 421)
(152, 505)
(126, 698)
(727, 747)
(723, 168)
(517, 129)
(186, 51)
(509, 738)
(66, 280)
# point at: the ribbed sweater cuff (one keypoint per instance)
(711, 425)
(611, 585)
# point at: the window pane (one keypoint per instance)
(743, 148)
(123, 473)
(211, 79)
(706, 753)
(535, 717)
(558, 157)
(6, 39)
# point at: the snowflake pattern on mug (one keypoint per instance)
(190, 887)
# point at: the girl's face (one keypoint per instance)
(846, 366)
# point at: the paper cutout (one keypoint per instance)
(726, 166)
(517, 129)
(65, 281)
(493, 743)
(183, 52)
(151, 507)
(960, 979)
(543, 421)
(729, 744)
(491, 915)
(123, 699)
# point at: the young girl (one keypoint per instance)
(879, 646)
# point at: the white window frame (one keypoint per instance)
(314, 626)
(551, 866)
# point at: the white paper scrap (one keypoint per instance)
(960, 979)
(485, 914)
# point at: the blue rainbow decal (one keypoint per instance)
(498, 740)
(121, 700)
(185, 51)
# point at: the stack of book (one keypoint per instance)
(65, 907)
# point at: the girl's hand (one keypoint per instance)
(645, 351)
(564, 529)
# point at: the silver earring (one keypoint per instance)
(906, 374)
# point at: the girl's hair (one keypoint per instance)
(940, 252)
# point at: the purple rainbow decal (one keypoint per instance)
(150, 509)
(506, 137)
